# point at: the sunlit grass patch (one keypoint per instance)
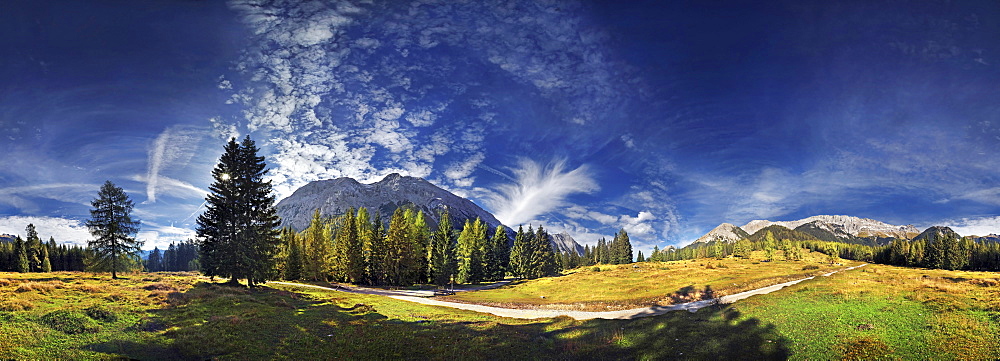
(610, 287)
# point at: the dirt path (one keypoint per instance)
(421, 297)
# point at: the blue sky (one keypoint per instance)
(663, 118)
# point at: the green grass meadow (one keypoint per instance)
(876, 312)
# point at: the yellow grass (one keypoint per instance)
(649, 283)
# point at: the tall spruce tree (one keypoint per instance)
(377, 252)
(114, 245)
(398, 250)
(497, 255)
(34, 246)
(520, 253)
(621, 248)
(348, 250)
(543, 260)
(293, 264)
(239, 229)
(21, 256)
(441, 251)
(155, 261)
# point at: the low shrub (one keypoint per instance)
(596, 269)
(71, 322)
(16, 304)
(90, 288)
(35, 287)
(809, 267)
(100, 313)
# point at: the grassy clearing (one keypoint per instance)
(615, 287)
(884, 312)
(184, 317)
(876, 312)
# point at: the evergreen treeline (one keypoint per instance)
(618, 251)
(177, 257)
(32, 255)
(356, 247)
(942, 251)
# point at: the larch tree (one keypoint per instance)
(470, 252)
(239, 229)
(316, 241)
(420, 236)
(111, 223)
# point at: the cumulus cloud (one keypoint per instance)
(539, 189)
(370, 82)
(61, 229)
(981, 226)
(640, 225)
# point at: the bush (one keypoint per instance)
(100, 313)
(809, 267)
(596, 269)
(71, 322)
(35, 286)
(16, 304)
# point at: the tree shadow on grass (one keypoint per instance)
(715, 332)
(210, 321)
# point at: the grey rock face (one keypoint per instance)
(333, 197)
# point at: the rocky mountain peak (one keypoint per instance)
(842, 226)
(334, 196)
(725, 233)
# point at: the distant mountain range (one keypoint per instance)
(7, 238)
(333, 197)
(845, 229)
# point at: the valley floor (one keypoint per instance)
(869, 313)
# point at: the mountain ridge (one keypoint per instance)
(841, 226)
(334, 196)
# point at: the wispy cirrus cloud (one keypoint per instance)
(174, 147)
(539, 189)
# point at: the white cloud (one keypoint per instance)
(460, 173)
(20, 197)
(175, 146)
(975, 226)
(629, 141)
(539, 190)
(154, 235)
(640, 225)
(62, 229)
